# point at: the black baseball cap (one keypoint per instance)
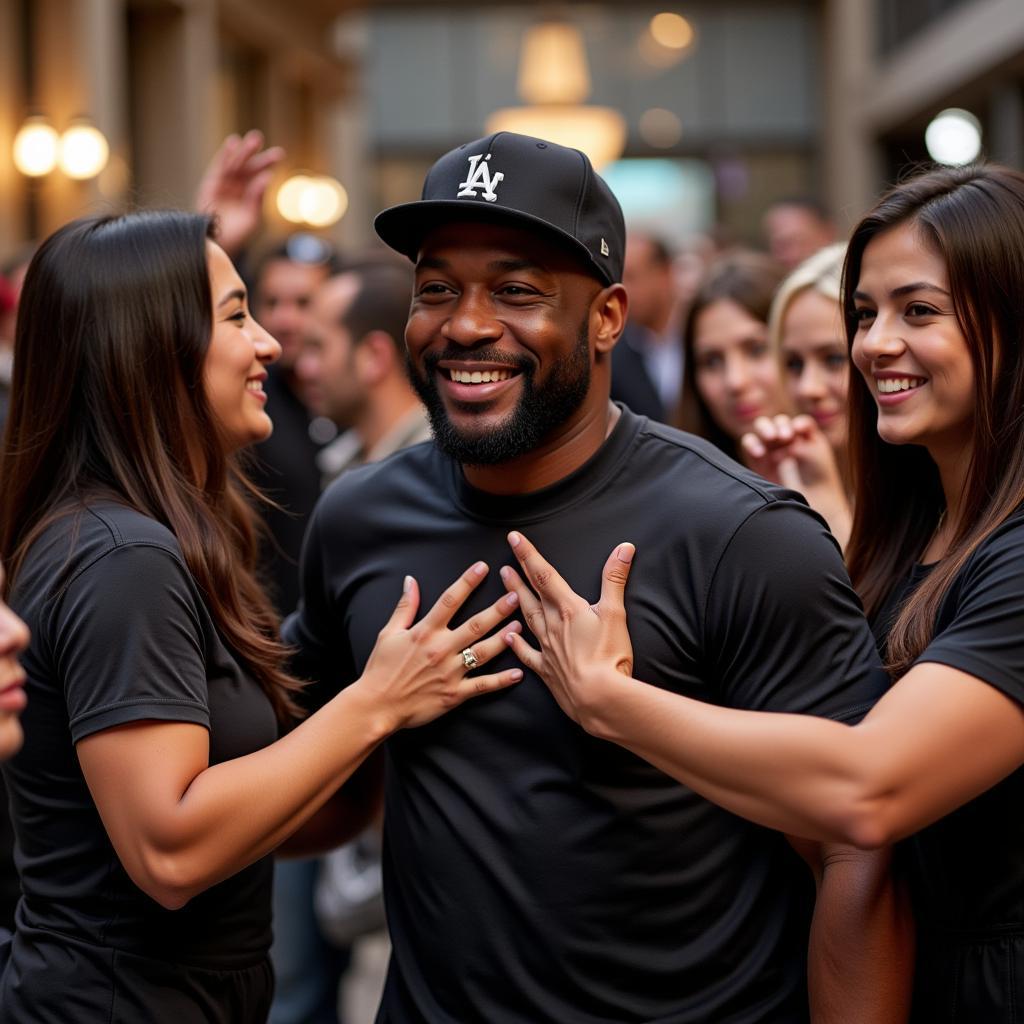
(509, 178)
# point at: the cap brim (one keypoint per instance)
(404, 227)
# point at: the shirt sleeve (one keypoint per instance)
(127, 641)
(784, 629)
(984, 636)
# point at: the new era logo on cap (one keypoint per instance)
(521, 180)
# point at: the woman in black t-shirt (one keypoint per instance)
(13, 640)
(934, 299)
(152, 785)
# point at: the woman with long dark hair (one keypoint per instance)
(730, 373)
(934, 302)
(13, 640)
(152, 785)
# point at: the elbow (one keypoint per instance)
(868, 820)
(167, 879)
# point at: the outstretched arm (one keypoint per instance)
(182, 825)
(937, 739)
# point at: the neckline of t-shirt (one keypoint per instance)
(537, 505)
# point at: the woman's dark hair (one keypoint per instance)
(107, 401)
(749, 279)
(973, 217)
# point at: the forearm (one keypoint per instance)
(233, 813)
(817, 789)
(861, 949)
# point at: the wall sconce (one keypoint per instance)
(81, 152)
(314, 199)
(554, 80)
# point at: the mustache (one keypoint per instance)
(487, 354)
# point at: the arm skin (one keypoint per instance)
(860, 959)
(181, 825)
(936, 740)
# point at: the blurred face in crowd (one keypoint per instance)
(236, 361)
(283, 296)
(328, 368)
(909, 346)
(14, 639)
(815, 363)
(735, 371)
(794, 232)
(650, 284)
(498, 340)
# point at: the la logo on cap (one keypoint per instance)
(480, 177)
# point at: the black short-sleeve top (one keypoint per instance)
(967, 870)
(120, 634)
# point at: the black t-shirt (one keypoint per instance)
(536, 874)
(120, 633)
(967, 870)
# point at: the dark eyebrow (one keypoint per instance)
(906, 289)
(432, 263)
(237, 293)
(511, 265)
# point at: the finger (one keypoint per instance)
(490, 647)
(805, 425)
(752, 445)
(764, 428)
(482, 623)
(614, 577)
(257, 186)
(405, 611)
(783, 428)
(540, 574)
(265, 160)
(533, 610)
(528, 655)
(476, 686)
(455, 596)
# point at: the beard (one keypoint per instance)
(541, 409)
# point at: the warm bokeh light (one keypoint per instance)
(83, 151)
(600, 132)
(323, 202)
(36, 147)
(289, 197)
(553, 64)
(671, 30)
(314, 199)
(953, 137)
(660, 128)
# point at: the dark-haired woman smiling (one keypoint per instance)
(934, 296)
(152, 785)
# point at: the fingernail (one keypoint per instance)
(503, 572)
(514, 539)
(515, 674)
(510, 638)
(480, 568)
(512, 599)
(406, 584)
(625, 553)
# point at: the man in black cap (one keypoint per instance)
(534, 875)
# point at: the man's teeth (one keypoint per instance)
(479, 376)
(891, 385)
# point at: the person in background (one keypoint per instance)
(352, 366)
(809, 452)
(732, 376)
(795, 228)
(155, 654)
(647, 364)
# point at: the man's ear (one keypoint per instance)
(608, 316)
(376, 356)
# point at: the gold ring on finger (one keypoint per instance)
(469, 659)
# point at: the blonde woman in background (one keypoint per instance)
(808, 452)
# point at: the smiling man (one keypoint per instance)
(535, 875)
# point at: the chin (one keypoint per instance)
(11, 735)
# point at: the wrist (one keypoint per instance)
(373, 715)
(606, 689)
